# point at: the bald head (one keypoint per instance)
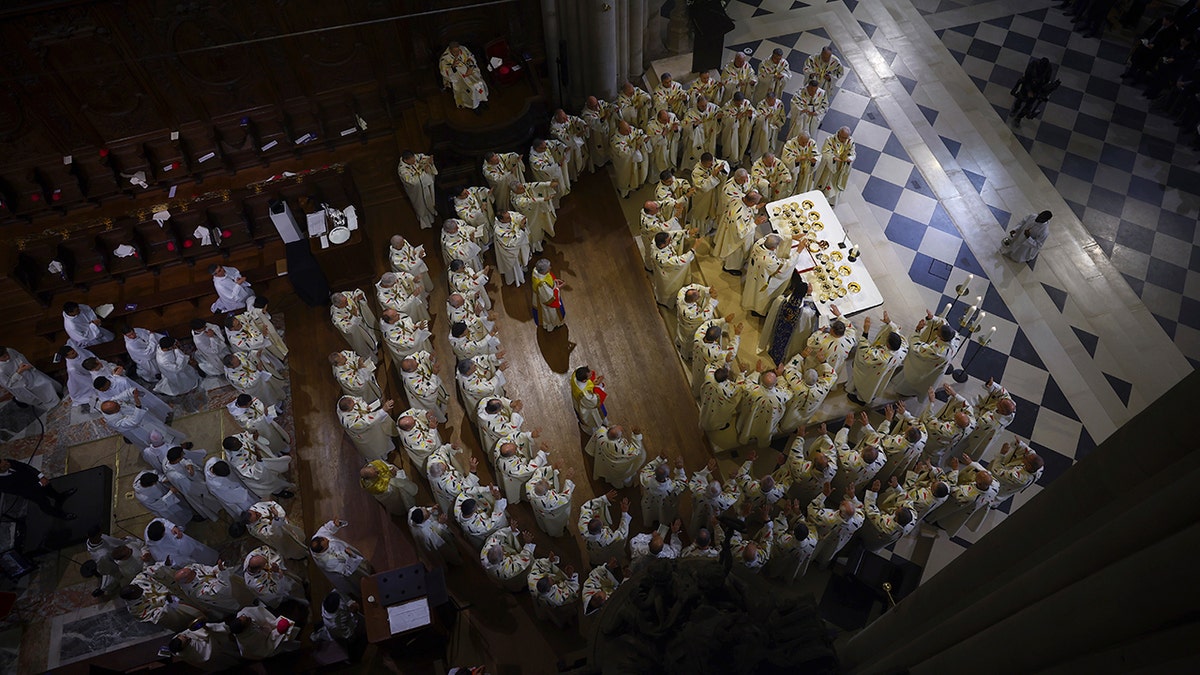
(110, 407)
(1006, 406)
(962, 419)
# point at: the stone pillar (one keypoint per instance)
(576, 36)
(550, 24)
(679, 31)
(602, 56)
(621, 9)
(636, 17)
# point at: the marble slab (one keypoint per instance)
(96, 630)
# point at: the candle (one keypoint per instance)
(978, 320)
(978, 300)
(970, 313)
(970, 278)
(945, 311)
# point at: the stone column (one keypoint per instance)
(550, 24)
(602, 56)
(636, 16)
(679, 31)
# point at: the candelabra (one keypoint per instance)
(960, 375)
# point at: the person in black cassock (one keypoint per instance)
(22, 480)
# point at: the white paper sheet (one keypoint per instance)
(408, 615)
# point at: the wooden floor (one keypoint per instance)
(612, 326)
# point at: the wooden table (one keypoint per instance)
(795, 215)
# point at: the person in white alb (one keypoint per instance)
(83, 326)
(1015, 468)
(630, 148)
(738, 77)
(737, 125)
(480, 512)
(875, 360)
(694, 304)
(772, 262)
(536, 201)
(250, 375)
(369, 425)
(259, 467)
(655, 545)
(833, 172)
(1025, 240)
(423, 385)
(170, 545)
(770, 116)
(502, 170)
(973, 490)
(476, 206)
(402, 292)
(389, 485)
(931, 348)
(672, 263)
(707, 175)
(599, 586)
(825, 67)
(720, 397)
(712, 347)
(661, 488)
(178, 375)
(600, 117)
(595, 524)
(354, 319)
(555, 590)
(550, 498)
(617, 458)
(417, 172)
(883, 526)
(267, 576)
(252, 414)
(709, 499)
(773, 74)
(404, 257)
(514, 467)
(948, 427)
(800, 155)
(232, 288)
(572, 132)
(461, 75)
(834, 527)
(344, 565)
(356, 375)
(995, 409)
(433, 536)
(548, 160)
(267, 522)
(228, 488)
(418, 434)
(460, 241)
(187, 477)
(809, 106)
(762, 408)
(512, 246)
(142, 346)
(670, 95)
(506, 557)
(211, 347)
(664, 133)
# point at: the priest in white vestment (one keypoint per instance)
(417, 172)
(227, 487)
(404, 257)
(188, 477)
(79, 380)
(773, 74)
(232, 288)
(252, 414)
(995, 409)
(672, 193)
(974, 490)
(707, 176)
(261, 634)
(169, 544)
(1025, 240)
(831, 344)
(664, 131)
(134, 423)
(512, 246)
(701, 125)
(536, 201)
(469, 283)
(506, 560)
(403, 336)
(548, 160)
(825, 67)
(117, 387)
(762, 408)
(930, 350)
(550, 498)
(694, 304)
(266, 575)
(211, 347)
(433, 536)
(418, 433)
(572, 132)
(354, 319)
(653, 219)
(515, 466)
(245, 337)
(771, 178)
(502, 170)
(720, 397)
(460, 74)
(369, 425)
(142, 346)
(875, 360)
(423, 385)
(633, 104)
(705, 86)
(356, 375)
(800, 155)
(709, 499)
(771, 265)
(249, 374)
(661, 488)
(25, 383)
(809, 106)
(809, 390)
(479, 511)
(83, 326)
(631, 158)
(1015, 468)
(604, 542)
(737, 124)
(459, 242)
(673, 258)
(475, 205)
(160, 498)
(737, 77)
(344, 565)
(834, 527)
(549, 312)
(498, 417)
(267, 522)
(948, 427)
(737, 232)
(769, 118)
(833, 173)
(480, 377)
(448, 481)
(600, 117)
(670, 95)
(403, 293)
(213, 588)
(617, 457)
(259, 466)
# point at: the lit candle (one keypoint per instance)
(945, 311)
(970, 278)
(978, 300)
(970, 313)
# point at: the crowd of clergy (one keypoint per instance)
(874, 480)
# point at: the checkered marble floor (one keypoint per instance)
(930, 237)
(1120, 166)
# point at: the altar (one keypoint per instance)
(826, 258)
